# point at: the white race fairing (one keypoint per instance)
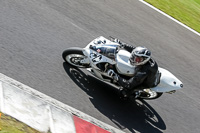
(168, 82)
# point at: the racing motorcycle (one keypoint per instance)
(103, 54)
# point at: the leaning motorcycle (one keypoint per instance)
(103, 54)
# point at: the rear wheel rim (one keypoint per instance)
(152, 94)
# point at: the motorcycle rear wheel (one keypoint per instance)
(152, 95)
(74, 56)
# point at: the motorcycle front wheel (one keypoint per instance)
(74, 56)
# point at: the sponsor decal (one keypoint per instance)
(98, 50)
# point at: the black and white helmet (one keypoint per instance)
(140, 56)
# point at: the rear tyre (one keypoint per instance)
(148, 94)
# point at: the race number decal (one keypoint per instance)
(95, 57)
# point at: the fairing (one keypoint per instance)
(123, 65)
(168, 82)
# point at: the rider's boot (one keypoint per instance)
(123, 94)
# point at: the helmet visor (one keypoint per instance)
(136, 59)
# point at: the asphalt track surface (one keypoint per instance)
(33, 35)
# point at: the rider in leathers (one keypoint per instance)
(146, 70)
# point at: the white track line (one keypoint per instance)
(170, 17)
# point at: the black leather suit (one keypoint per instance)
(145, 76)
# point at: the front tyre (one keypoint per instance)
(74, 56)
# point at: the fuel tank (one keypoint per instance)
(123, 65)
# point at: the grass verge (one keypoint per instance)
(11, 125)
(185, 11)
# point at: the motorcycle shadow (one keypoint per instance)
(129, 116)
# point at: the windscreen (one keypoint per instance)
(106, 50)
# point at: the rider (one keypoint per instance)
(146, 70)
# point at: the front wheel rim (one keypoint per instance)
(75, 59)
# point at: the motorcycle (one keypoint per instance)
(103, 54)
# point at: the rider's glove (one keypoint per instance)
(113, 75)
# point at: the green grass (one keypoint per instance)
(10, 125)
(185, 11)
